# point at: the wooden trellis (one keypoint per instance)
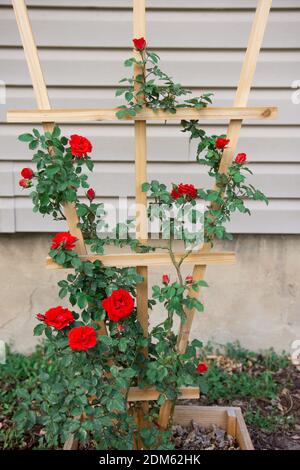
(235, 115)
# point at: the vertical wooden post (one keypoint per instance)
(241, 99)
(140, 138)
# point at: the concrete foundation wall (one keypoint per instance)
(256, 301)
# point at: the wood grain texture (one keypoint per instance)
(154, 259)
(151, 394)
(91, 115)
(231, 422)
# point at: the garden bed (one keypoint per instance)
(265, 387)
(200, 427)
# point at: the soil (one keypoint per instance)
(196, 437)
(286, 404)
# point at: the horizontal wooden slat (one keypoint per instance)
(114, 143)
(191, 68)
(89, 115)
(138, 394)
(178, 29)
(152, 259)
(22, 98)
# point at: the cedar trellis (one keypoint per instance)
(236, 114)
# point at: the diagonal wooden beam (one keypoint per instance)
(153, 259)
(41, 94)
(106, 114)
(246, 77)
(241, 99)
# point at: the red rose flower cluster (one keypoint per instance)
(81, 338)
(118, 305)
(187, 190)
(80, 146)
(27, 175)
(63, 240)
(139, 43)
(58, 317)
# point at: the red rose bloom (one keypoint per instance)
(64, 240)
(187, 190)
(90, 194)
(221, 142)
(119, 305)
(24, 183)
(139, 44)
(57, 317)
(82, 338)
(202, 367)
(80, 146)
(189, 279)
(27, 173)
(120, 328)
(165, 279)
(240, 158)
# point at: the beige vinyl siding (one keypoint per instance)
(82, 45)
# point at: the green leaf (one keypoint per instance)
(145, 187)
(120, 91)
(81, 300)
(56, 132)
(60, 258)
(117, 403)
(63, 292)
(39, 329)
(76, 262)
(52, 170)
(26, 137)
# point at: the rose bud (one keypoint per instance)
(165, 279)
(202, 367)
(24, 183)
(90, 194)
(240, 158)
(189, 279)
(221, 142)
(27, 173)
(120, 328)
(40, 317)
(139, 43)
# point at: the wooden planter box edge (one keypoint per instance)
(229, 418)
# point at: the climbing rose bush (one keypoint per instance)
(95, 347)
